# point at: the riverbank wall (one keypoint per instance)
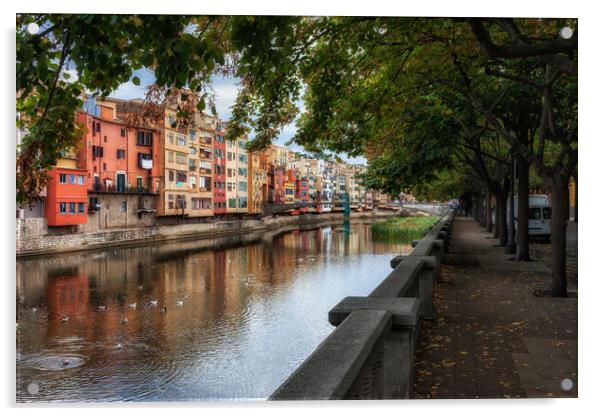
(32, 238)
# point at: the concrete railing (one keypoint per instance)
(370, 354)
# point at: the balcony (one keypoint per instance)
(112, 189)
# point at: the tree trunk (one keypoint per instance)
(568, 201)
(522, 240)
(496, 230)
(503, 223)
(576, 199)
(482, 210)
(558, 237)
(488, 222)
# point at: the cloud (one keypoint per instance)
(129, 91)
(226, 90)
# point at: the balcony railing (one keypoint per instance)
(113, 189)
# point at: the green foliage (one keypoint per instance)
(404, 229)
(393, 87)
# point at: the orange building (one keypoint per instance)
(118, 159)
(67, 198)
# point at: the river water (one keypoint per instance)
(212, 320)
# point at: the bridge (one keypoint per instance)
(408, 208)
(273, 209)
(432, 209)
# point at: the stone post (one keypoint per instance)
(399, 345)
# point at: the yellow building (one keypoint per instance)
(200, 145)
(258, 181)
(176, 182)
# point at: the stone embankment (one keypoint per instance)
(32, 237)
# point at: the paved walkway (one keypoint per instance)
(493, 338)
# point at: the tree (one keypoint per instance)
(556, 81)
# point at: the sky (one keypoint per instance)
(226, 90)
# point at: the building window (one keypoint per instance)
(201, 203)
(171, 176)
(180, 177)
(145, 156)
(192, 150)
(72, 179)
(123, 132)
(242, 202)
(205, 183)
(62, 178)
(63, 207)
(93, 204)
(80, 207)
(139, 182)
(242, 186)
(97, 151)
(181, 158)
(71, 207)
(171, 138)
(192, 134)
(144, 138)
(180, 201)
(229, 173)
(120, 154)
(81, 180)
(232, 203)
(123, 206)
(170, 157)
(104, 166)
(181, 140)
(105, 139)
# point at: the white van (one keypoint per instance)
(539, 221)
(540, 213)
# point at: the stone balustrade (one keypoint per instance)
(370, 354)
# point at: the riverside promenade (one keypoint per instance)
(492, 336)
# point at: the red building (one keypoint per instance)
(219, 173)
(279, 179)
(67, 197)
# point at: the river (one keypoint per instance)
(189, 320)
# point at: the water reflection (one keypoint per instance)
(223, 319)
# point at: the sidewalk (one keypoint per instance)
(492, 337)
